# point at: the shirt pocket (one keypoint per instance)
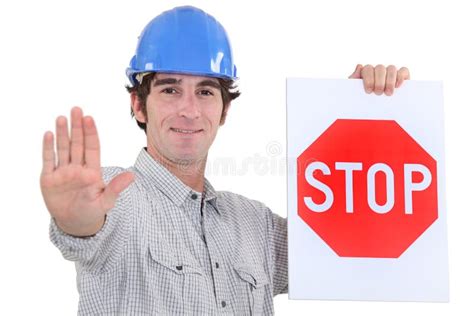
(175, 278)
(254, 280)
(180, 264)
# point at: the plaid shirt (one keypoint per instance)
(168, 250)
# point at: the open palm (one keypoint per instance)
(72, 185)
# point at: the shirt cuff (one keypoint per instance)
(76, 248)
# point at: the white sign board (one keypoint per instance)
(366, 192)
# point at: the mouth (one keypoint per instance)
(186, 131)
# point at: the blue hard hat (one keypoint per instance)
(183, 40)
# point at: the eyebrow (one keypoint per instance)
(160, 82)
(203, 83)
(209, 83)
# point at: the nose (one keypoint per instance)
(189, 107)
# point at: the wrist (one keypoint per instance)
(81, 231)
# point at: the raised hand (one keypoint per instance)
(381, 79)
(72, 185)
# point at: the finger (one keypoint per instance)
(390, 80)
(379, 74)
(115, 187)
(62, 141)
(49, 158)
(368, 78)
(92, 145)
(77, 136)
(402, 75)
(357, 72)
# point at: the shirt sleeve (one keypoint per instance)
(279, 248)
(98, 251)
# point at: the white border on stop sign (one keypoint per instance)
(315, 270)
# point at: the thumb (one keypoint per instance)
(115, 187)
(357, 72)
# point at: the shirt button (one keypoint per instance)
(223, 303)
(194, 196)
(217, 265)
(179, 268)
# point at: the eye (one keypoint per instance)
(169, 91)
(206, 92)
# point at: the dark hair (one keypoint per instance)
(229, 92)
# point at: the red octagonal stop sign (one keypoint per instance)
(367, 188)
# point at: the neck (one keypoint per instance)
(190, 173)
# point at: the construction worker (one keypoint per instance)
(157, 238)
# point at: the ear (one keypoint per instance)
(137, 108)
(224, 113)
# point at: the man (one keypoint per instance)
(156, 238)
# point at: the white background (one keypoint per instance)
(56, 54)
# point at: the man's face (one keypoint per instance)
(183, 116)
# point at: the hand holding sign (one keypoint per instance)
(381, 79)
